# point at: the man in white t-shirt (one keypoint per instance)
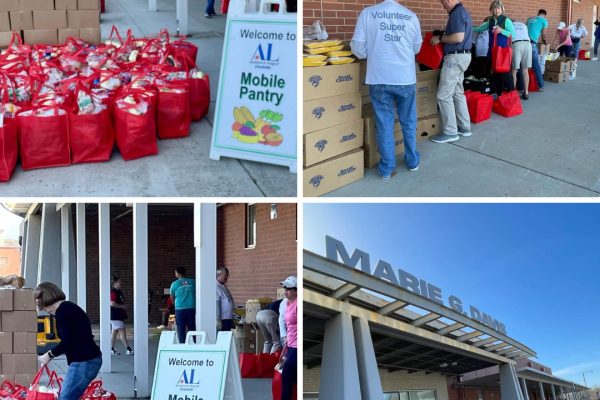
(225, 309)
(522, 55)
(578, 32)
(389, 36)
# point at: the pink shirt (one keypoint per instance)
(563, 35)
(291, 323)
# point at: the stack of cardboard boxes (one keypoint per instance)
(18, 336)
(555, 68)
(248, 337)
(333, 128)
(49, 21)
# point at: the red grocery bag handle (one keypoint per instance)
(114, 30)
(496, 39)
(5, 97)
(92, 387)
(12, 40)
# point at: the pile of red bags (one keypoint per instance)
(70, 103)
(258, 365)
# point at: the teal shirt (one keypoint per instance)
(184, 290)
(535, 26)
(510, 30)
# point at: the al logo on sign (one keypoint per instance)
(187, 382)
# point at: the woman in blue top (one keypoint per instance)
(597, 41)
(502, 26)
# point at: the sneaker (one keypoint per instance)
(115, 353)
(464, 132)
(540, 89)
(213, 14)
(385, 178)
(414, 169)
(161, 327)
(129, 352)
(595, 59)
(207, 15)
(443, 138)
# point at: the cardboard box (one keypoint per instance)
(24, 379)
(556, 77)
(571, 60)
(83, 19)
(260, 341)
(372, 155)
(322, 145)
(21, 20)
(553, 55)
(252, 309)
(10, 5)
(50, 19)
(6, 295)
(245, 346)
(572, 74)
(65, 4)
(4, 22)
(42, 36)
(331, 80)
(280, 294)
(334, 173)
(36, 5)
(543, 48)
(19, 321)
(88, 4)
(64, 34)
(90, 35)
(23, 300)
(243, 331)
(4, 378)
(558, 66)
(13, 364)
(24, 343)
(428, 127)
(370, 129)
(5, 38)
(331, 111)
(6, 342)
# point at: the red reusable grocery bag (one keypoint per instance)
(469, 95)
(12, 390)
(430, 55)
(173, 111)
(33, 394)
(277, 385)
(95, 392)
(501, 56)
(136, 134)
(480, 108)
(199, 89)
(44, 141)
(9, 148)
(533, 86)
(224, 6)
(92, 136)
(267, 363)
(249, 365)
(508, 104)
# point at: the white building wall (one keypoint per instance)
(399, 380)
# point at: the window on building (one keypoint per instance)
(311, 396)
(480, 395)
(410, 395)
(391, 396)
(250, 226)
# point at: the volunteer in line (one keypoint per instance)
(565, 48)
(502, 27)
(117, 317)
(451, 94)
(482, 67)
(522, 53)
(76, 340)
(390, 35)
(268, 321)
(597, 41)
(225, 309)
(289, 376)
(183, 295)
(578, 32)
(537, 26)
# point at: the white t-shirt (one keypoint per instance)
(578, 33)
(392, 35)
(521, 31)
(226, 302)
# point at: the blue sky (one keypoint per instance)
(534, 267)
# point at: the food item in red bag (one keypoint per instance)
(87, 104)
(42, 113)
(169, 90)
(8, 112)
(133, 56)
(196, 74)
(140, 108)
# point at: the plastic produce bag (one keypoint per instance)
(315, 31)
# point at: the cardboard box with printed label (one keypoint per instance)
(334, 173)
(24, 379)
(19, 321)
(245, 345)
(10, 5)
(370, 129)
(90, 35)
(558, 66)
(83, 19)
(64, 34)
(88, 4)
(556, 77)
(428, 127)
(252, 308)
(23, 300)
(572, 62)
(243, 331)
(65, 4)
(50, 19)
(19, 364)
(21, 20)
(36, 5)
(372, 155)
(6, 342)
(24, 343)
(280, 294)
(4, 22)
(543, 48)
(42, 36)
(6, 295)
(330, 80)
(331, 111)
(322, 145)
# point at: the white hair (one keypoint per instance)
(222, 270)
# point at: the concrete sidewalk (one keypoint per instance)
(183, 166)
(551, 150)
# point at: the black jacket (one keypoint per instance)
(75, 333)
(118, 314)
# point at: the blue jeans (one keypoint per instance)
(383, 97)
(535, 64)
(185, 318)
(576, 48)
(79, 376)
(290, 374)
(210, 7)
(596, 44)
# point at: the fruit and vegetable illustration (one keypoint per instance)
(261, 130)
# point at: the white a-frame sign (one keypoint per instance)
(197, 371)
(256, 116)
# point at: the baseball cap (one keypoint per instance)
(290, 282)
(561, 25)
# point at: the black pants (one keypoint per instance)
(226, 325)
(502, 82)
(289, 377)
(481, 67)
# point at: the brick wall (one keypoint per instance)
(585, 10)
(256, 272)
(469, 394)
(339, 16)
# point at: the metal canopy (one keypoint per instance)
(324, 277)
(532, 378)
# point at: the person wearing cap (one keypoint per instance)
(288, 324)
(457, 41)
(225, 309)
(536, 27)
(268, 321)
(565, 48)
(578, 32)
(522, 54)
(500, 30)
